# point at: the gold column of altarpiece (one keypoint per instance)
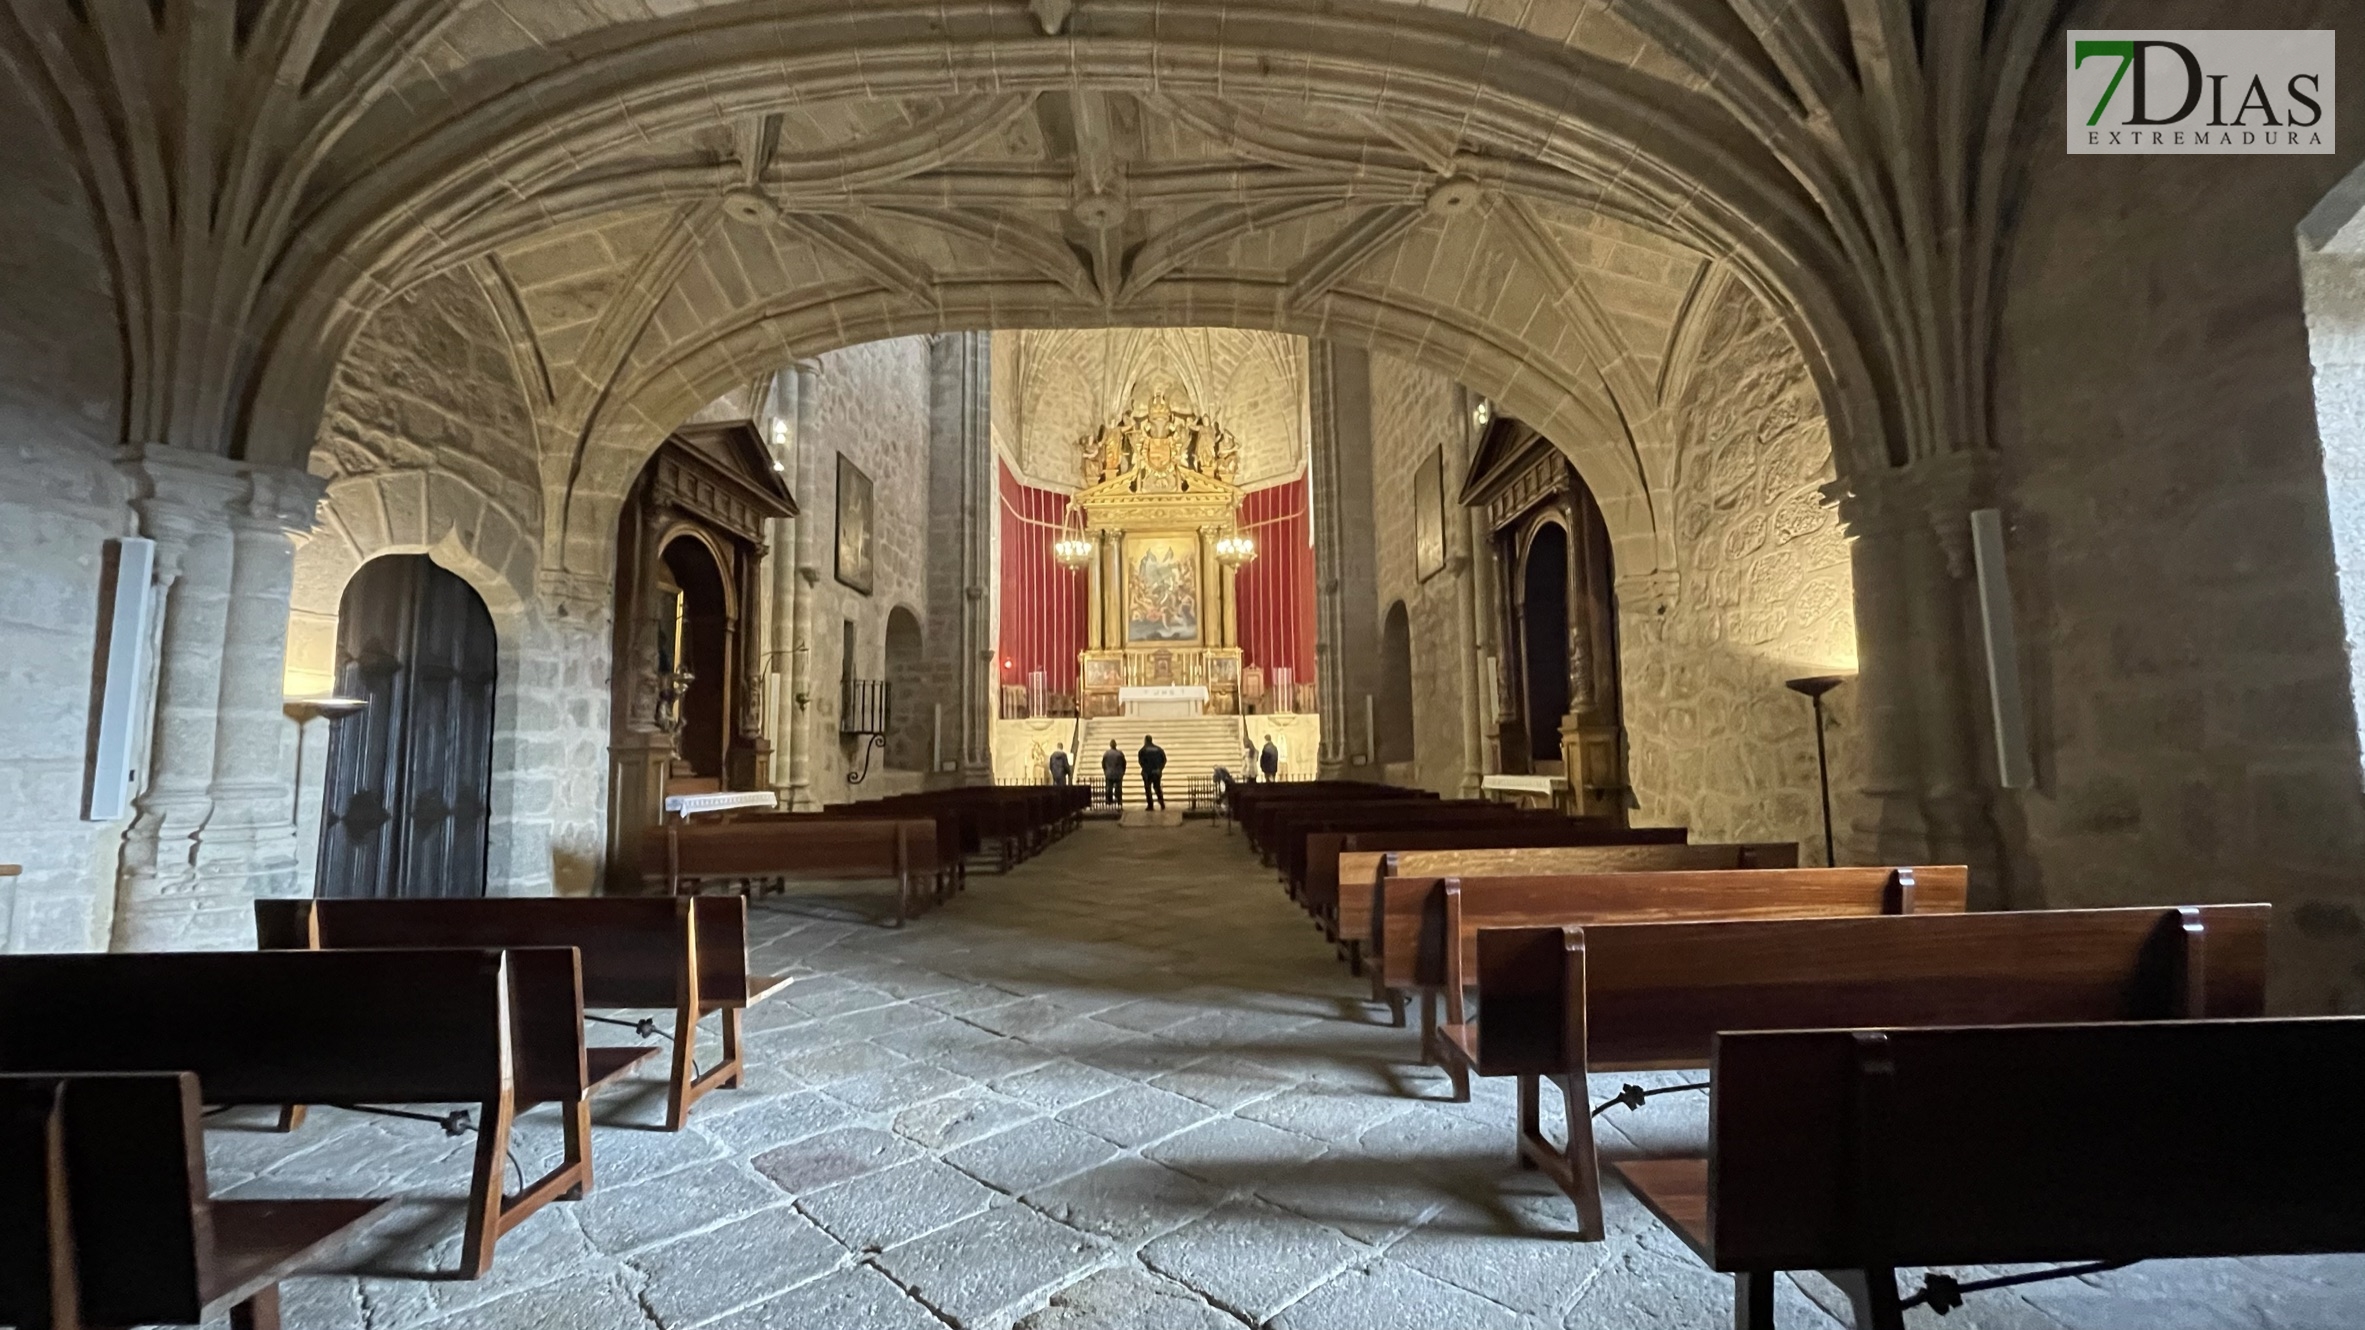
(1158, 493)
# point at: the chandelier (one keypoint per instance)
(1234, 549)
(1073, 549)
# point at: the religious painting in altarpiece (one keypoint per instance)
(1162, 590)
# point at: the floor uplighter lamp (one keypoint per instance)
(1814, 689)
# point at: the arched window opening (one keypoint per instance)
(1544, 654)
(911, 719)
(697, 641)
(1395, 738)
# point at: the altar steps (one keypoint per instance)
(1195, 746)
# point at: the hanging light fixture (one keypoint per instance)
(1235, 548)
(1073, 549)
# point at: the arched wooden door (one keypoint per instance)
(408, 800)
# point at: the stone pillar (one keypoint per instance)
(960, 636)
(214, 824)
(1918, 701)
(1461, 562)
(1346, 644)
(798, 709)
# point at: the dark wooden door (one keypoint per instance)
(408, 800)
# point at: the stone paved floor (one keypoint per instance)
(1123, 1087)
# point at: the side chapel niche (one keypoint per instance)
(1556, 681)
(687, 699)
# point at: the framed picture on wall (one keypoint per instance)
(1162, 590)
(854, 526)
(1428, 516)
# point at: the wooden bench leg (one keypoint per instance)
(1753, 1300)
(1576, 1169)
(260, 1312)
(490, 1213)
(484, 1190)
(1429, 1026)
(734, 1026)
(681, 1087)
(1873, 1295)
(575, 1132)
(291, 1116)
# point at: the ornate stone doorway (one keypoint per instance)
(407, 802)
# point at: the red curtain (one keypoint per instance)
(1277, 589)
(1043, 604)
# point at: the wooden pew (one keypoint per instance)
(106, 1218)
(1559, 1002)
(499, 1029)
(956, 837)
(1306, 842)
(1418, 915)
(801, 850)
(1257, 806)
(686, 953)
(1855, 1152)
(1363, 857)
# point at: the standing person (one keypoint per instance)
(1112, 776)
(1062, 766)
(1153, 773)
(1250, 765)
(1269, 761)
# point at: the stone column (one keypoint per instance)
(798, 708)
(960, 637)
(213, 825)
(1918, 702)
(1346, 645)
(1211, 618)
(1112, 590)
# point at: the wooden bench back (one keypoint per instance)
(1304, 843)
(1257, 812)
(1548, 853)
(1837, 1148)
(298, 1027)
(822, 847)
(1414, 925)
(1291, 834)
(103, 1184)
(633, 948)
(1638, 995)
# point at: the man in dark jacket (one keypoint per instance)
(1153, 773)
(1269, 761)
(1112, 776)
(1061, 765)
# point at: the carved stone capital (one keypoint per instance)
(180, 493)
(1649, 595)
(1936, 493)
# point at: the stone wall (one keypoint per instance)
(2171, 541)
(1416, 412)
(1763, 594)
(872, 407)
(428, 447)
(61, 500)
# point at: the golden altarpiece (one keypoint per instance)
(1160, 512)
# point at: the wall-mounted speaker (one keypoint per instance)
(123, 618)
(2013, 768)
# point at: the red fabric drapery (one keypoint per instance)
(1045, 608)
(1043, 604)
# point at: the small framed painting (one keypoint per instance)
(1428, 516)
(854, 526)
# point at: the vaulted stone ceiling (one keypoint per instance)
(662, 200)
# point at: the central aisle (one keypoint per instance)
(1124, 1086)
